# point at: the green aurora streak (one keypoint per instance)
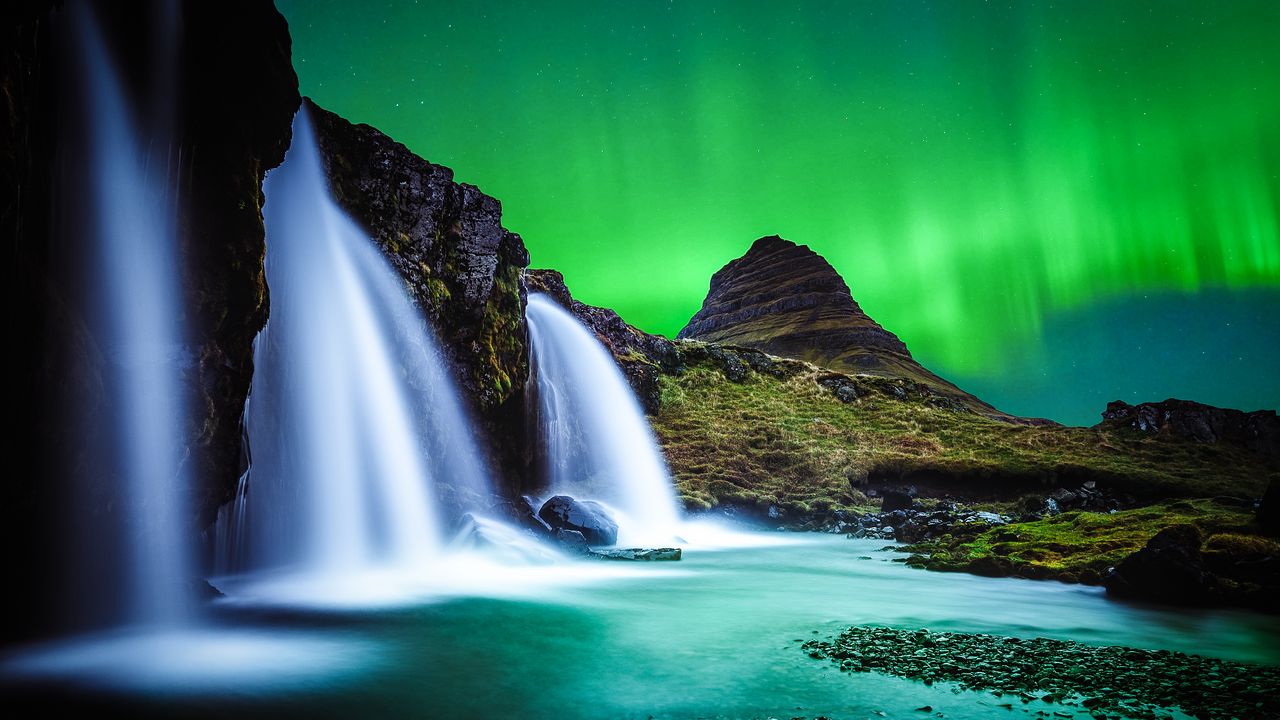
(972, 169)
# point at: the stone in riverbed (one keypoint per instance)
(641, 554)
(585, 516)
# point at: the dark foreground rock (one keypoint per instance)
(1269, 510)
(1104, 681)
(584, 516)
(1178, 567)
(1169, 570)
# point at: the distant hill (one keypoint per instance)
(788, 301)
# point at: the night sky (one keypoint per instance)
(1054, 204)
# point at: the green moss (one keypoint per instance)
(437, 292)
(1074, 546)
(1238, 545)
(499, 339)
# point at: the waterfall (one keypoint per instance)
(124, 179)
(354, 426)
(597, 444)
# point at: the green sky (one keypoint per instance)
(997, 181)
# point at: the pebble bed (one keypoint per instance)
(1105, 682)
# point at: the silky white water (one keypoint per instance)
(595, 440)
(135, 299)
(353, 421)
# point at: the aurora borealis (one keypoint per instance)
(1017, 189)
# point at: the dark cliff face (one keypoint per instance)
(228, 118)
(787, 300)
(460, 264)
(1259, 430)
(236, 115)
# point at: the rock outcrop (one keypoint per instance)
(1259, 430)
(787, 300)
(461, 266)
(1169, 570)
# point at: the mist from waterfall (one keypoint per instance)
(354, 426)
(595, 439)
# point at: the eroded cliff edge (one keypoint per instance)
(460, 265)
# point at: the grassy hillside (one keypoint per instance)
(808, 440)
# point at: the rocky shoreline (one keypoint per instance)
(1106, 682)
(1206, 552)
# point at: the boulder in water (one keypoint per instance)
(523, 511)
(585, 516)
(639, 554)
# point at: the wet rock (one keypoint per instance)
(526, 509)
(639, 554)
(572, 542)
(584, 516)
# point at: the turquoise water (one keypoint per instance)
(716, 635)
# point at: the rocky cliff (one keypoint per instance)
(461, 266)
(229, 118)
(787, 300)
(1259, 430)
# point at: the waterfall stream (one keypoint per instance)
(354, 425)
(126, 185)
(596, 442)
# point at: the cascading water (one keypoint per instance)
(353, 421)
(596, 441)
(136, 298)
